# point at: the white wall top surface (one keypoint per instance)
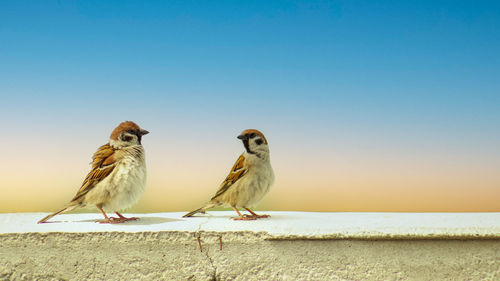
(281, 225)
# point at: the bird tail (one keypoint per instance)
(201, 210)
(70, 206)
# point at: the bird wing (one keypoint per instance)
(237, 172)
(103, 163)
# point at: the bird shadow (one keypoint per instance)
(140, 221)
(209, 215)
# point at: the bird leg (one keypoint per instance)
(113, 220)
(123, 219)
(243, 218)
(107, 219)
(254, 215)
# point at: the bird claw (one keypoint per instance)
(105, 221)
(244, 218)
(257, 216)
(125, 219)
(262, 216)
(113, 220)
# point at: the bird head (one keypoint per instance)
(254, 142)
(127, 134)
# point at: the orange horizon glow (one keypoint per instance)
(309, 179)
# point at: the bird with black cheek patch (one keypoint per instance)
(248, 181)
(118, 176)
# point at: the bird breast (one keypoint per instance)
(252, 187)
(125, 185)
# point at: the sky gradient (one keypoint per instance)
(367, 105)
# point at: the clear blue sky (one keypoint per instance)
(419, 76)
(387, 55)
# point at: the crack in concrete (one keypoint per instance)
(198, 233)
(206, 253)
(202, 223)
(210, 260)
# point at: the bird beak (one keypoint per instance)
(242, 137)
(144, 132)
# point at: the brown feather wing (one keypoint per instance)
(237, 172)
(103, 163)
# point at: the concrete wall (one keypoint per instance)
(287, 246)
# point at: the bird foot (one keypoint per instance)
(257, 216)
(110, 221)
(244, 218)
(113, 220)
(126, 219)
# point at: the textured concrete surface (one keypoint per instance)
(287, 246)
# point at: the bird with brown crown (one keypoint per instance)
(248, 181)
(118, 176)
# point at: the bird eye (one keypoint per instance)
(252, 135)
(131, 131)
(259, 141)
(126, 138)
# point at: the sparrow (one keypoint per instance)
(248, 181)
(118, 176)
